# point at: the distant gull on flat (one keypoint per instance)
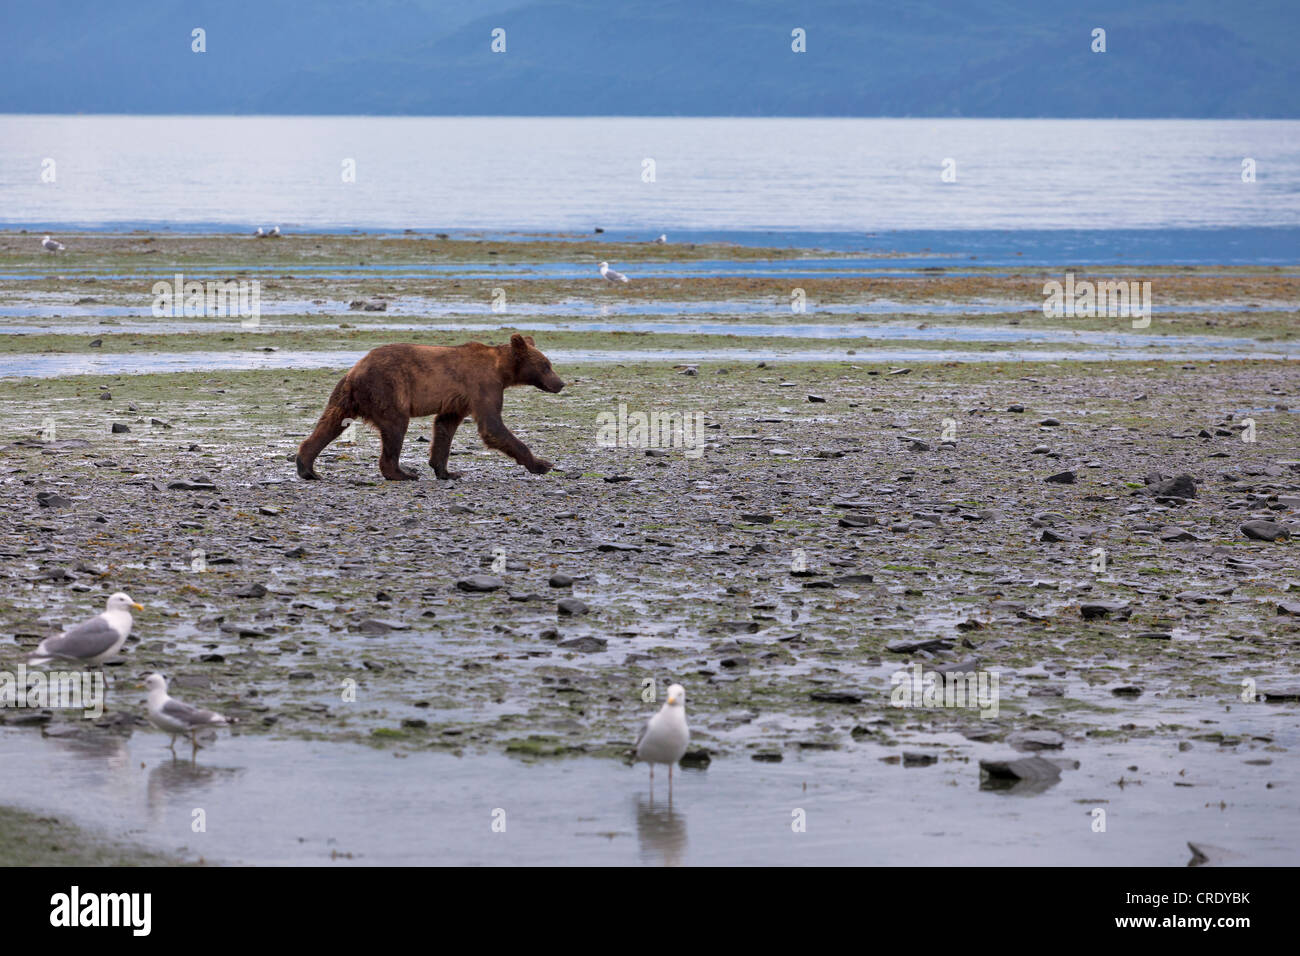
(610, 274)
(260, 233)
(275, 232)
(93, 641)
(176, 717)
(52, 244)
(665, 735)
(662, 240)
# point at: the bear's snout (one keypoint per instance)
(552, 384)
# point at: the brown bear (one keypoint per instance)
(395, 383)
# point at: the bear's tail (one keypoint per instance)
(331, 424)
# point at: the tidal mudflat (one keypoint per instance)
(1093, 532)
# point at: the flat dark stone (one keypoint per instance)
(587, 645)
(1183, 486)
(480, 583)
(924, 644)
(1036, 740)
(1031, 770)
(837, 696)
(1291, 692)
(1262, 530)
(571, 607)
(696, 758)
(1100, 609)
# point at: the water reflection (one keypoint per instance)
(660, 830)
(181, 776)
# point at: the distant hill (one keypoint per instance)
(1012, 58)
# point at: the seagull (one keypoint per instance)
(260, 234)
(662, 240)
(665, 735)
(610, 274)
(274, 233)
(52, 245)
(93, 641)
(176, 717)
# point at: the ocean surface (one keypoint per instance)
(1139, 191)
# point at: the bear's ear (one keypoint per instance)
(517, 342)
(529, 340)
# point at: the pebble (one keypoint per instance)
(571, 607)
(480, 583)
(1264, 530)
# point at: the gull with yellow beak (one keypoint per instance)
(175, 716)
(93, 641)
(665, 735)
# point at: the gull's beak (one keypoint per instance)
(139, 686)
(138, 607)
(672, 700)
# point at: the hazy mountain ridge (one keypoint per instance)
(678, 57)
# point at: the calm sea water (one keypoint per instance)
(785, 175)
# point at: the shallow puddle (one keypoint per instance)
(51, 365)
(298, 802)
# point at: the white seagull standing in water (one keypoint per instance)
(665, 735)
(93, 641)
(52, 245)
(176, 717)
(610, 274)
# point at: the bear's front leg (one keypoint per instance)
(495, 435)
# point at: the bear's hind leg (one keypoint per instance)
(391, 436)
(444, 428)
(327, 429)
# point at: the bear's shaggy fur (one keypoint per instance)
(395, 383)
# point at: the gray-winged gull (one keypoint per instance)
(177, 717)
(93, 641)
(664, 737)
(52, 244)
(610, 274)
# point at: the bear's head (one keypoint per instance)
(531, 367)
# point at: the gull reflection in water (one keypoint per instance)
(174, 777)
(661, 831)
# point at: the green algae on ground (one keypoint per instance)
(29, 839)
